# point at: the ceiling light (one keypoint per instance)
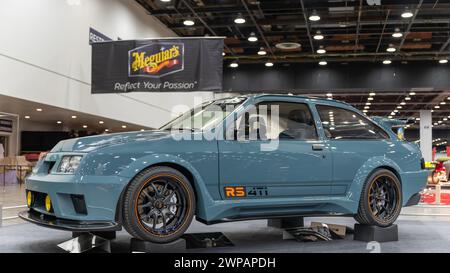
(252, 38)
(366, 107)
(435, 123)
(390, 117)
(223, 54)
(27, 117)
(239, 19)
(318, 36)
(106, 130)
(387, 62)
(101, 122)
(391, 48)
(124, 126)
(440, 121)
(445, 119)
(329, 95)
(262, 52)
(188, 22)
(407, 98)
(412, 93)
(443, 103)
(397, 33)
(269, 64)
(368, 103)
(369, 98)
(417, 119)
(234, 64)
(59, 122)
(165, 0)
(323, 63)
(407, 13)
(314, 16)
(288, 46)
(365, 111)
(74, 116)
(372, 94)
(84, 126)
(39, 109)
(399, 107)
(395, 111)
(402, 103)
(443, 61)
(321, 50)
(437, 107)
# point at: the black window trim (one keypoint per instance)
(308, 106)
(388, 136)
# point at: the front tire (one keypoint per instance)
(381, 199)
(158, 205)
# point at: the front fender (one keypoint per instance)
(354, 193)
(204, 198)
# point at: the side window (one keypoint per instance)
(277, 120)
(339, 123)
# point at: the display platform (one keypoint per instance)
(252, 236)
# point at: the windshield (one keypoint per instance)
(207, 115)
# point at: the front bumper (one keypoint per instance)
(78, 198)
(69, 225)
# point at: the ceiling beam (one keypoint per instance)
(260, 31)
(308, 32)
(408, 29)
(204, 23)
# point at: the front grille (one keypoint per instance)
(79, 204)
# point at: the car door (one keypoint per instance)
(297, 164)
(353, 140)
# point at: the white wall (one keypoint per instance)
(45, 56)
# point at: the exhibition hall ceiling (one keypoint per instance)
(69, 120)
(273, 31)
(280, 33)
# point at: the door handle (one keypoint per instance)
(317, 147)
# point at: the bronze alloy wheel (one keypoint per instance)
(159, 205)
(381, 199)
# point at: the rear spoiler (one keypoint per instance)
(393, 123)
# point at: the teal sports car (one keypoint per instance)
(249, 157)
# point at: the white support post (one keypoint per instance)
(426, 136)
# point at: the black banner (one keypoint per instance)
(157, 65)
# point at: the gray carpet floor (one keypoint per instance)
(416, 234)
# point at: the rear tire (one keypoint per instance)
(381, 199)
(158, 205)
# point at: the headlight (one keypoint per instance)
(69, 164)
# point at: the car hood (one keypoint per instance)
(91, 143)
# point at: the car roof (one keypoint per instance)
(327, 100)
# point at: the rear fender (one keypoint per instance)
(363, 173)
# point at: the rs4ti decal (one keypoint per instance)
(240, 191)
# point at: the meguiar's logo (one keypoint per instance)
(156, 60)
